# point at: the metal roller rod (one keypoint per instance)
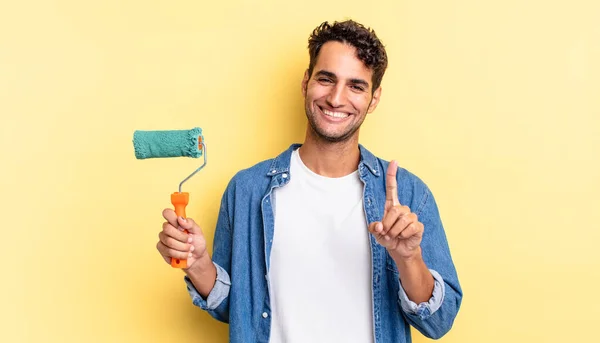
(197, 170)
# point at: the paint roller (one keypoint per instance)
(172, 143)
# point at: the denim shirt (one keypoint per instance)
(242, 249)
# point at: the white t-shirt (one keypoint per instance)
(320, 275)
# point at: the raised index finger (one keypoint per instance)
(391, 186)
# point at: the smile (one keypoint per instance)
(335, 114)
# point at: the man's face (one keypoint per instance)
(338, 95)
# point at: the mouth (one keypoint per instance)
(333, 114)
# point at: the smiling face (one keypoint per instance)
(338, 95)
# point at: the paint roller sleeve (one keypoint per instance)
(168, 143)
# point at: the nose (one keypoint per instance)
(336, 95)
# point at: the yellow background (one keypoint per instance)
(495, 104)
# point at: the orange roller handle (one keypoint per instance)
(179, 201)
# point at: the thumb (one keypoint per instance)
(189, 224)
(376, 228)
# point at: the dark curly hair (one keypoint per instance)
(369, 48)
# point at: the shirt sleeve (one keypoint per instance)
(424, 309)
(216, 296)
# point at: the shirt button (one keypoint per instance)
(265, 315)
(284, 175)
(274, 171)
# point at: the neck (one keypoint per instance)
(330, 159)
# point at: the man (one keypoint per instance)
(325, 242)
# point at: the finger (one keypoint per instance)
(376, 228)
(169, 253)
(190, 225)
(182, 255)
(162, 250)
(392, 216)
(172, 243)
(391, 185)
(170, 216)
(401, 225)
(179, 235)
(413, 229)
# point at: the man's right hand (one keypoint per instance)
(175, 243)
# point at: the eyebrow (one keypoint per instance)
(333, 76)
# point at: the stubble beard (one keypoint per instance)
(322, 134)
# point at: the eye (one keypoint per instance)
(324, 80)
(357, 88)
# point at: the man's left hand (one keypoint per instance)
(400, 231)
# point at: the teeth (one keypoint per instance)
(335, 114)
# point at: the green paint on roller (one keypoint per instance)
(167, 143)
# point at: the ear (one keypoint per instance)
(305, 83)
(375, 100)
